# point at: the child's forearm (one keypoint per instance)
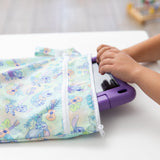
(145, 51)
(149, 82)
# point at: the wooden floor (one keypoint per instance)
(48, 16)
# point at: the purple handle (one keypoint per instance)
(117, 96)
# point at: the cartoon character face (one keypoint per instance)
(21, 108)
(38, 125)
(45, 79)
(11, 108)
(44, 126)
(42, 80)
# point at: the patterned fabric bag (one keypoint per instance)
(50, 96)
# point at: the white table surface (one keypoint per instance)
(132, 130)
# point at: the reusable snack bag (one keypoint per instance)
(50, 96)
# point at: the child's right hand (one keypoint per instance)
(118, 63)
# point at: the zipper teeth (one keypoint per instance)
(98, 120)
(65, 108)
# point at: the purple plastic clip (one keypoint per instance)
(120, 94)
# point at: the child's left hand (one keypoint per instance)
(104, 48)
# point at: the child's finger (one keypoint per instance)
(101, 51)
(101, 46)
(114, 50)
(107, 54)
(107, 61)
(106, 69)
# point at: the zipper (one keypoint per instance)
(65, 108)
(97, 114)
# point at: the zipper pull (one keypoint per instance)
(100, 129)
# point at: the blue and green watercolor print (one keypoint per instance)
(40, 99)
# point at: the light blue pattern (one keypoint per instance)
(31, 97)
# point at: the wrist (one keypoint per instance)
(130, 52)
(126, 51)
(138, 73)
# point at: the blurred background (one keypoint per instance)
(49, 16)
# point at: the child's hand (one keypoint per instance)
(119, 64)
